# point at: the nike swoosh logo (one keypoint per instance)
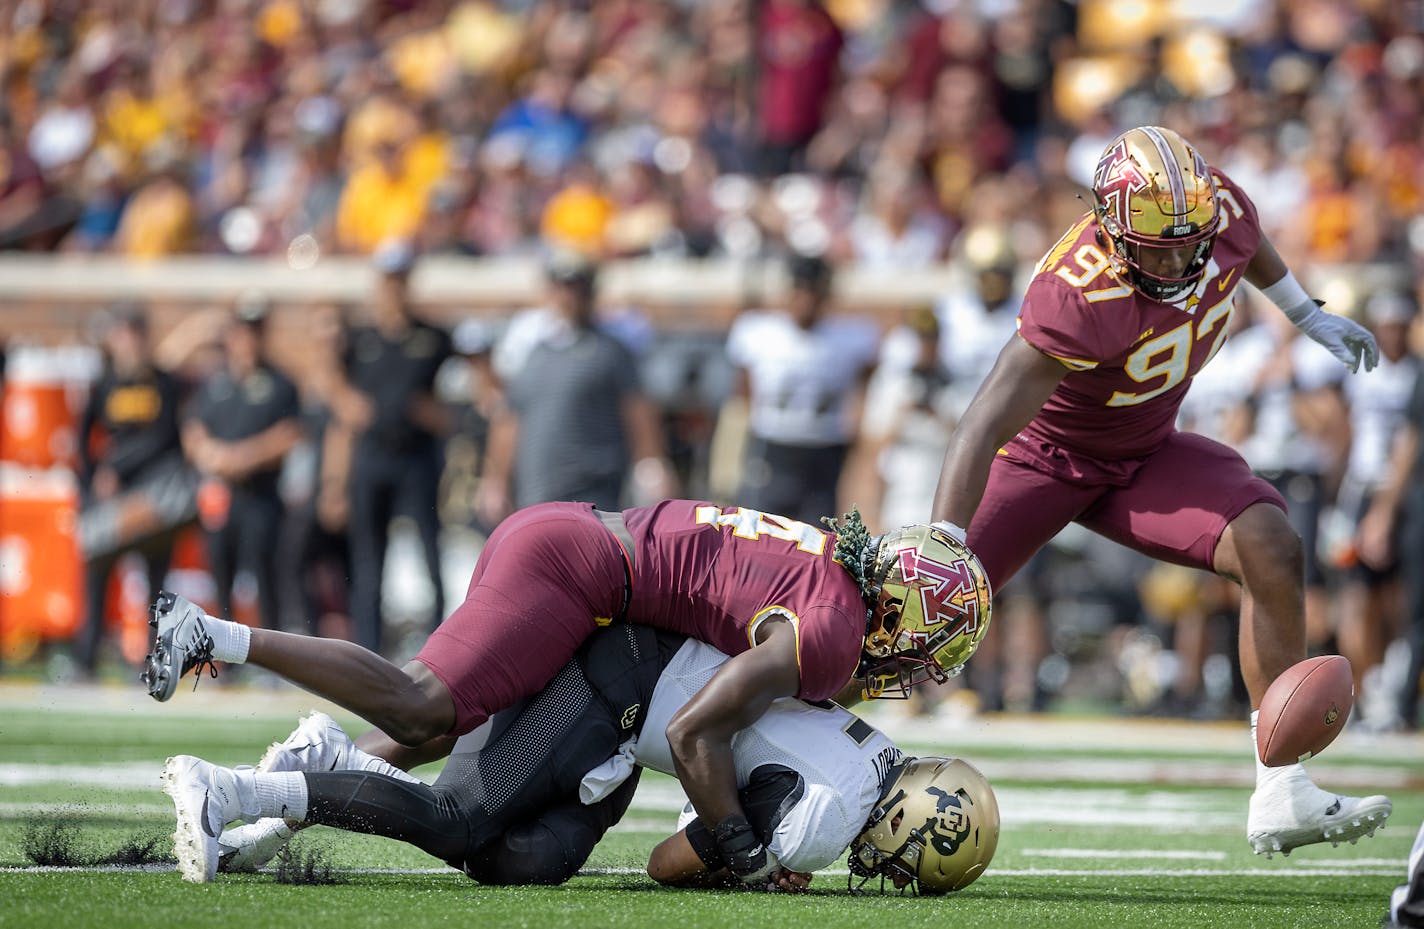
(335, 761)
(1333, 808)
(203, 820)
(1221, 284)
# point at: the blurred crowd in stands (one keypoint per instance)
(881, 133)
(872, 130)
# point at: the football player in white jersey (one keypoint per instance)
(814, 779)
(801, 374)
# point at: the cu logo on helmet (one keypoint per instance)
(946, 590)
(947, 831)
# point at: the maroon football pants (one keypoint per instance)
(546, 577)
(1174, 507)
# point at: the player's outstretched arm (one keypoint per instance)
(700, 738)
(1022, 380)
(1346, 339)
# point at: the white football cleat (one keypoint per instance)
(1292, 811)
(317, 744)
(249, 847)
(205, 799)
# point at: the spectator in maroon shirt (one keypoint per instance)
(798, 52)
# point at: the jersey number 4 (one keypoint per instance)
(753, 524)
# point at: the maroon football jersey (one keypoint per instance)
(714, 574)
(1132, 357)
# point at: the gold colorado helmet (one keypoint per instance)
(931, 608)
(935, 830)
(1156, 204)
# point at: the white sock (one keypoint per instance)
(1265, 776)
(245, 799)
(282, 794)
(230, 640)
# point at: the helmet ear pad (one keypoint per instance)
(884, 627)
(879, 644)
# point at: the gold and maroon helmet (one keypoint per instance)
(930, 609)
(935, 830)
(1156, 204)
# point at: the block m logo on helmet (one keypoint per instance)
(932, 607)
(1116, 179)
(946, 590)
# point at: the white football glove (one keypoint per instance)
(1346, 339)
(950, 529)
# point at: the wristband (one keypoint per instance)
(1291, 298)
(743, 851)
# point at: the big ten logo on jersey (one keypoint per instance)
(946, 590)
(754, 525)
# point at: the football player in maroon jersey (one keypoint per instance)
(803, 612)
(1076, 423)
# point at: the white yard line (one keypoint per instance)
(125, 775)
(1058, 805)
(833, 872)
(1093, 853)
(1049, 737)
(84, 809)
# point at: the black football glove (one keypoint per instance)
(744, 854)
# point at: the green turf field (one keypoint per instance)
(1107, 823)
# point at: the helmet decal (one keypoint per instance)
(1116, 179)
(950, 828)
(946, 590)
(931, 609)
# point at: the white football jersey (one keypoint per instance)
(1279, 441)
(841, 759)
(1378, 403)
(801, 378)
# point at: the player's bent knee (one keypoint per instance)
(528, 854)
(1267, 531)
(1260, 535)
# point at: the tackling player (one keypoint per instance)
(801, 610)
(1075, 423)
(506, 808)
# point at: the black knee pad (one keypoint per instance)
(527, 854)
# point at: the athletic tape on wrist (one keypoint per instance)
(1291, 298)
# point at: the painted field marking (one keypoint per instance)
(84, 809)
(1399, 863)
(1312, 873)
(1122, 853)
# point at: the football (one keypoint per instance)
(1304, 710)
